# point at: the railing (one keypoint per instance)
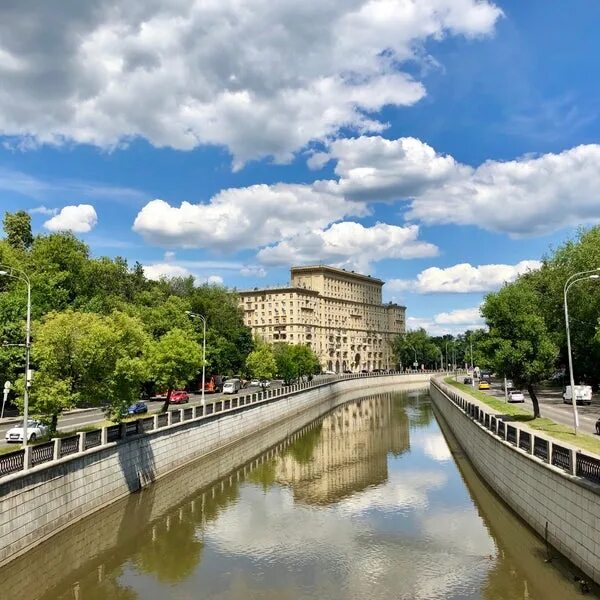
(587, 467)
(47, 452)
(547, 450)
(561, 457)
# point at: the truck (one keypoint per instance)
(583, 394)
(232, 386)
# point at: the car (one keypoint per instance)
(347, 372)
(583, 394)
(516, 396)
(255, 383)
(265, 383)
(328, 372)
(179, 397)
(468, 380)
(161, 396)
(137, 408)
(232, 386)
(484, 385)
(507, 385)
(35, 431)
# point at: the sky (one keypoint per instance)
(444, 146)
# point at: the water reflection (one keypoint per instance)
(370, 501)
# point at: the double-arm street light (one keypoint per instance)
(7, 271)
(197, 316)
(582, 276)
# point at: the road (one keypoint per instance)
(553, 407)
(73, 420)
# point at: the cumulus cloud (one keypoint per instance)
(349, 244)
(240, 218)
(451, 322)
(260, 78)
(253, 271)
(463, 278)
(80, 218)
(159, 271)
(521, 197)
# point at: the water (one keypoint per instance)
(371, 502)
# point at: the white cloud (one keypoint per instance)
(81, 218)
(349, 244)
(253, 271)
(240, 218)
(42, 210)
(214, 280)
(451, 322)
(460, 316)
(463, 278)
(258, 77)
(159, 271)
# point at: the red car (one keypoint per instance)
(179, 397)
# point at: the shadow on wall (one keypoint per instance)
(136, 460)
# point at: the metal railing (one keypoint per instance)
(59, 448)
(570, 460)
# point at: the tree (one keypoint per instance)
(260, 363)
(416, 346)
(294, 361)
(17, 227)
(86, 358)
(172, 361)
(520, 345)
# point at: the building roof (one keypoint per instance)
(337, 272)
(277, 290)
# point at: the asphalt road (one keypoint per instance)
(553, 407)
(73, 420)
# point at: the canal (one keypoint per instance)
(373, 501)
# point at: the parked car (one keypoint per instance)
(35, 431)
(328, 372)
(468, 380)
(255, 383)
(516, 396)
(484, 384)
(583, 394)
(232, 386)
(265, 383)
(347, 371)
(179, 397)
(138, 408)
(160, 396)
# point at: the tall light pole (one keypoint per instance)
(196, 316)
(582, 276)
(441, 357)
(7, 271)
(416, 363)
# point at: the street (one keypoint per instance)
(73, 420)
(553, 407)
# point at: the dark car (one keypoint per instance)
(137, 409)
(468, 380)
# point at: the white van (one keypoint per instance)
(232, 386)
(583, 394)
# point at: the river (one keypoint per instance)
(373, 501)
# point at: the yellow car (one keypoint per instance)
(484, 385)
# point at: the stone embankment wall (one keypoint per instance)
(552, 500)
(39, 502)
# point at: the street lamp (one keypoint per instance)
(582, 276)
(7, 271)
(7, 386)
(441, 357)
(196, 316)
(416, 363)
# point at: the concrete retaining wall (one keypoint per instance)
(539, 493)
(39, 502)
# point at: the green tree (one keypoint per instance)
(86, 359)
(520, 345)
(260, 363)
(295, 361)
(172, 361)
(416, 345)
(17, 227)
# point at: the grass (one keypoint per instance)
(541, 424)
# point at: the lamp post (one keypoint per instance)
(416, 363)
(441, 357)
(7, 386)
(7, 271)
(582, 276)
(196, 316)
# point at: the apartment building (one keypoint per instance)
(338, 313)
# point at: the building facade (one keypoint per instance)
(338, 313)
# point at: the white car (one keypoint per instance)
(35, 431)
(255, 383)
(516, 396)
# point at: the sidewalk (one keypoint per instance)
(69, 412)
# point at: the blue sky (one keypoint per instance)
(422, 142)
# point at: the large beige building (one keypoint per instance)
(338, 313)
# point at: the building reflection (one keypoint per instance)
(348, 453)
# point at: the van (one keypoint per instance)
(583, 394)
(232, 386)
